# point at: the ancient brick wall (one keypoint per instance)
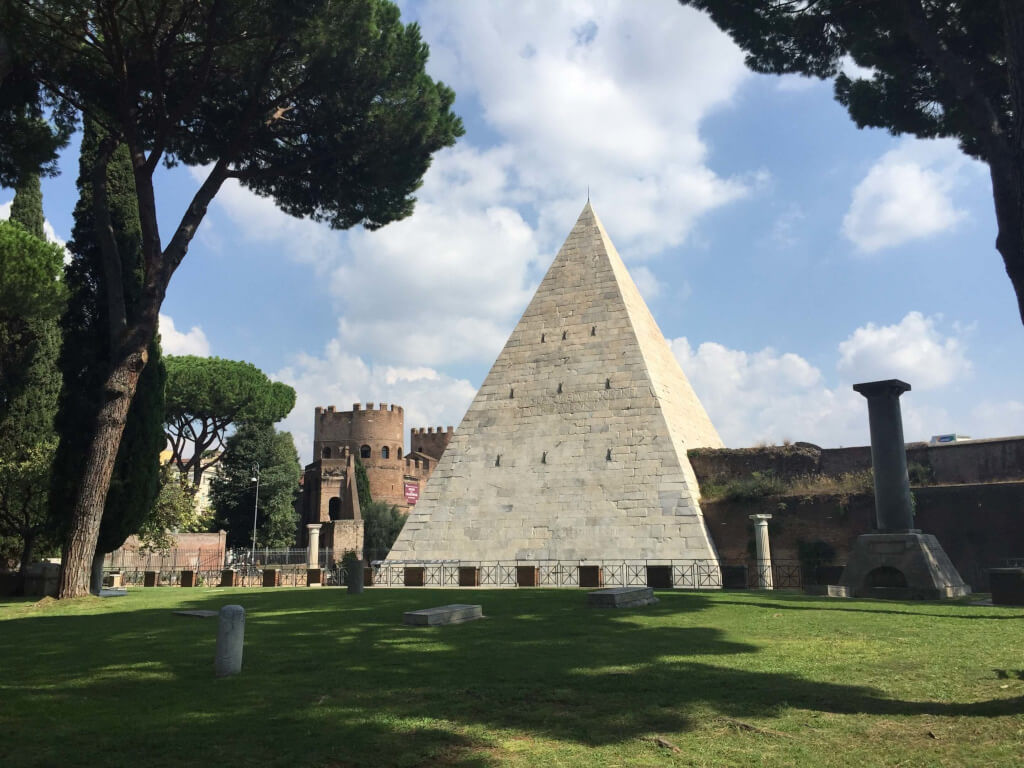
(974, 461)
(430, 442)
(722, 464)
(343, 536)
(381, 429)
(978, 525)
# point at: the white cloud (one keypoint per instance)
(786, 228)
(913, 350)
(907, 195)
(596, 94)
(175, 342)
(339, 378)
(991, 418)
(590, 93)
(768, 396)
(647, 282)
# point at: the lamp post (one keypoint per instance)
(255, 511)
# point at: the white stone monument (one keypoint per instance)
(575, 445)
(764, 551)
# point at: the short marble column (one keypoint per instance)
(764, 551)
(230, 641)
(314, 544)
(894, 511)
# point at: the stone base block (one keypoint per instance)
(229, 578)
(314, 577)
(188, 578)
(367, 577)
(469, 576)
(413, 577)
(113, 580)
(902, 566)
(271, 577)
(1007, 585)
(445, 614)
(659, 576)
(621, 597)
(591, 576)
(151, 579)
(526, 575)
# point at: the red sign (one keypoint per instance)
(412, 493)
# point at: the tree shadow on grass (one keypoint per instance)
(337, 680)
(800, 602)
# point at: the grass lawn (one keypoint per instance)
(332, 680)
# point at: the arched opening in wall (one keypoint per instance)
(399, 452)
(334, 508)
(326, 453)
(385, 453)
(364, 452)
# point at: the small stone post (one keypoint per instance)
(764, 552)
(230, 639)
(894, 510)
(354, 576)
(314, 544)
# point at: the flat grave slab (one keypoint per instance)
(457, 613)
(197, 614)
(621, 597)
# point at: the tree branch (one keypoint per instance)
(981, 111)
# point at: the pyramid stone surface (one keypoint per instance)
(575, 445)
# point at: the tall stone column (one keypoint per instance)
(764, 551)
(314, 544)
(894, 511)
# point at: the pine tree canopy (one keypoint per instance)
(206, 396)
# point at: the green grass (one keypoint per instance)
(334, 680)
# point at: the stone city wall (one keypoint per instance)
(978, 524)
(973, 461)
(430, 441)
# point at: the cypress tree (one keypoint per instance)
(362, 485)
(86, 360)
(27, 207)
(29, 379)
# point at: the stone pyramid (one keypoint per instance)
(575, 445)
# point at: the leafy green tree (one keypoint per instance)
(29, 377)
(233, 492)
(953, 68)
(27, 206)
(382, 522)
(173, 512)
(87, 355)
(322, 105)
(206, 396)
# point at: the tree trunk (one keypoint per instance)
(96, 578)
(1008, 193)
(1007, 164)
(91, 498)
(28, 544)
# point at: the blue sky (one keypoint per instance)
(784, 253)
